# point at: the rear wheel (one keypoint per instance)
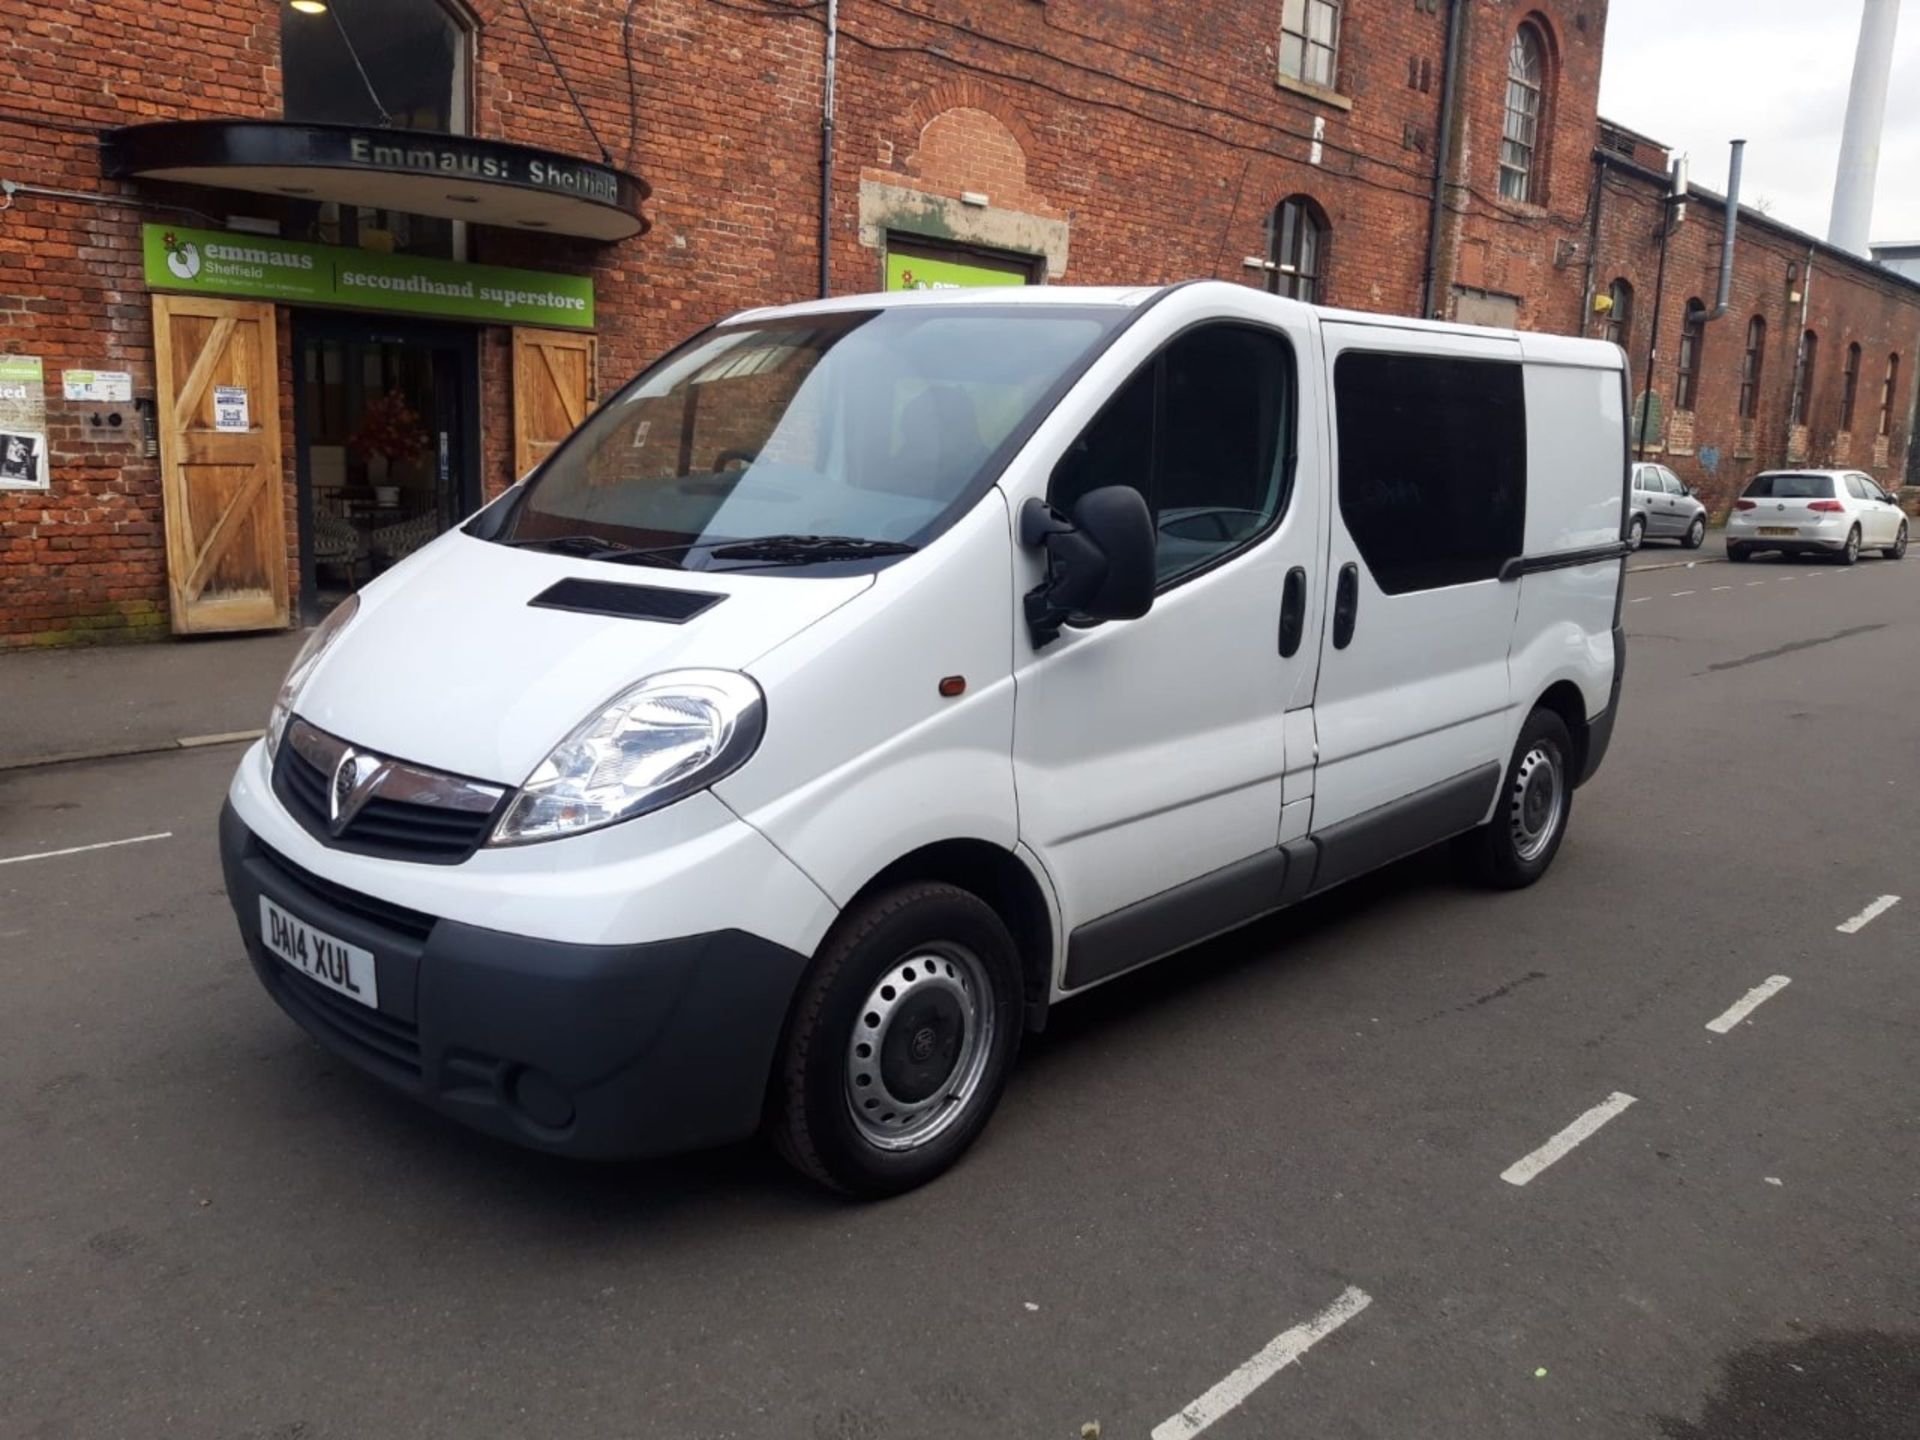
(1898, 550)
(900, 1042)
(1636, 532)
(1738, 554)
(1851, 555)
(1515, 848)
(1697, 532)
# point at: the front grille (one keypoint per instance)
(396, 829)
(382, 1041)
(413, 924)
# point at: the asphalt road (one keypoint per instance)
(214, 1230)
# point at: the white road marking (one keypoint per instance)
(1641, 601)
(1748, 1003)
(1752, 583)
(1873, 912)
(1525, 1168)
(1278, 1353)
(82, 849)
(1678, 593)
(1723, 587)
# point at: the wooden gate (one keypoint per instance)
(216, 364)
(552, 391)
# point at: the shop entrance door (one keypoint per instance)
(386, 436)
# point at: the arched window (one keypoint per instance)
(1296, 249)
(1887, 393)
(402, 63)
(1520, 177)
(1692, 338)
(1850, 388)
(1803, 378)
(1751, 366)
(1620, 316)
(1310, 41)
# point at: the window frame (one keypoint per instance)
(1693, 337)
(1804, 361)
(1888, 387)
(1302, 32)
(1289, 446)
(1850, 388)
(1619, 320)
(1530, 188)
(1311, 217)
(1752, 366)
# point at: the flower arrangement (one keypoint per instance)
(390, 428)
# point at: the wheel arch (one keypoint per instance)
(1564, 699)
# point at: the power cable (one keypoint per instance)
(606, 155)
(353, 54)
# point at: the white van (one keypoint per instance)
(870, 676)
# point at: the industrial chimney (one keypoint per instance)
(1860, 141)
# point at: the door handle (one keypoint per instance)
(1346, 604)
(1293, 612)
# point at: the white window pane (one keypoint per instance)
(1320, 66)
(1292, 56)
(1292, 15)
(1320, 18)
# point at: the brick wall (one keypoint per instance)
(1127, 141)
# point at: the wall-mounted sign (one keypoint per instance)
(458, 177)
(910, 271)
(230, 407)
(213, 262)
(96, 385)
(23, 423)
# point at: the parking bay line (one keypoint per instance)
(1528, 1166)
(1283, 1350)
(1678, 593)
(82, 849)
(1748, 1003)
(1855, 924)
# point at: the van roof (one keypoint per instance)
(1535, 346)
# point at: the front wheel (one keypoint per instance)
(1898, 550)
(1697, 532)
(1514, 849)
(900, 1042)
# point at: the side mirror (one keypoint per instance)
(1099, 564)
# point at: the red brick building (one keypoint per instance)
(305, 281)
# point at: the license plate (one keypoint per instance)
(318, 955)
(1778, 530)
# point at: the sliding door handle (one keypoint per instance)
(1346, 605)
(1293, 612)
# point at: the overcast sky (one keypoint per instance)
(1698, 73)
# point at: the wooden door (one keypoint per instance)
(552, 391)
(217, 367)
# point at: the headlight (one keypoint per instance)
(668, 736)
(324, 634)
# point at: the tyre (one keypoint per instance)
(899, 1043)
(1898, 550)
(1851, 555)
(1636, 532)
(1738, 554)
(1515, 848)
(1697, 533)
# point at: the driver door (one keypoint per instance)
(1152, 756)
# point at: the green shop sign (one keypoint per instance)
(906, 271)
(261, 267)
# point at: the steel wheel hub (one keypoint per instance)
(1537, 803)
(920, 1045)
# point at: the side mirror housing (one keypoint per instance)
(1099, 564)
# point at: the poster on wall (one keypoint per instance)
(23, 423)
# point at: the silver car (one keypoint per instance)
(1664, 509)
(1827, 512)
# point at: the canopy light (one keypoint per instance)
(309, 7)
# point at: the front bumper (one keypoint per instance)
(598, 1051)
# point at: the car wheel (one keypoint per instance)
(1738, 554)
(1851, 555)
(1636, 532)
(900, 1042)
(1697, 532)
(1515, 848)
(1898, 550)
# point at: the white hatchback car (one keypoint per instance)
(1827, 512)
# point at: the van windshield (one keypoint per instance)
(1790, 487)
(820, 438)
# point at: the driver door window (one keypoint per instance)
(1205, 433)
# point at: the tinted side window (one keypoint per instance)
(1856, 488)
(1433, 466)
(1674, 487)
(1204, 433)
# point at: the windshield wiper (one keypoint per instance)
(595, 547)
(810, 549)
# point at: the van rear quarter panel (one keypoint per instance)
(1576, 464)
